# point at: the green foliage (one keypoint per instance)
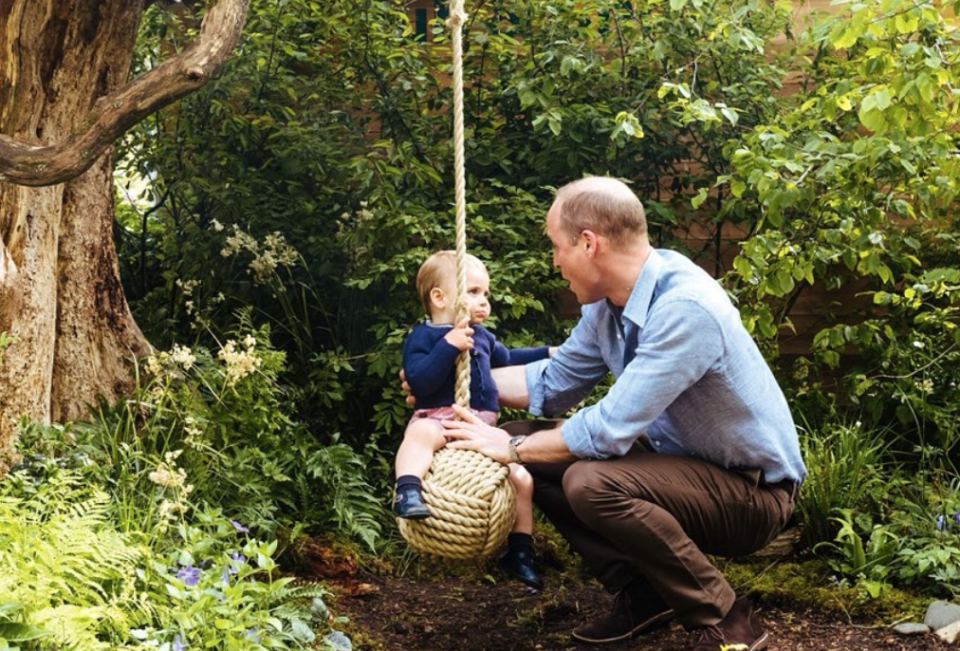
(211, 430)
(845, 472)
(854, 184)
(926, 517)
(63, 569)
(71, 580)
(813, 583)
(12, 630)
(865, 558)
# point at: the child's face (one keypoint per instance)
(478, 291)
(478, 303)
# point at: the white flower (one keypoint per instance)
(153, 365)
(182, 355)
(168, 476)
(187, 286)
(918, 344)
(240, 363)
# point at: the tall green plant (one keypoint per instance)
(845, 472)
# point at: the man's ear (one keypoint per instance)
(438, 298)
(590, 241)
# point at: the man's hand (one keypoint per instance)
(410, 399)
(471, 433)
(461, 336)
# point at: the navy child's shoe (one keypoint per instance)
(518, 563)
(408, 503)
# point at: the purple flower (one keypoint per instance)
(941, 522)
(956, 517)
(237, 556)
(225, 575)
(239, 527)
(190, 576)
(253, 634)
(178, 644)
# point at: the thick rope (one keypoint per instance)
(455, 23)
(469, 495)
(472, 505)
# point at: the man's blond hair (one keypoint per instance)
(604, 205)
(435, 270)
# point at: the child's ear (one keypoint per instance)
(438, 298)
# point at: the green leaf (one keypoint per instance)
(846, 36)
(678, 5)
(906, 23)
(698, 200)
(13, 632)
(873, 119)
(730, 114)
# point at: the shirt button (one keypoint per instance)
(657, 443)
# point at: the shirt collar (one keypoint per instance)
(638, 305)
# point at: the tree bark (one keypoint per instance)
(64, 99)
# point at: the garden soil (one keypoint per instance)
(486, 614)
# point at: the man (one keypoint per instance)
(692, 450)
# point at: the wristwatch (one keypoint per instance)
(512, 446)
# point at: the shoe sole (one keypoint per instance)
(529, 584)
(761, 643)
(652, 622)
(414, 516)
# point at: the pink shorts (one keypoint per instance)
(447, 413)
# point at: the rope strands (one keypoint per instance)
(469, 495)
(455, 23)
(472, 503)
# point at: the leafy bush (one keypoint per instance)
(212, 430)
(71, 580)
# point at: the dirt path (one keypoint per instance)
(461, 615)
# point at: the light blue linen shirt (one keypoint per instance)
(688, 377)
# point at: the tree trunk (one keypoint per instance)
(63, 101)
(60, 291)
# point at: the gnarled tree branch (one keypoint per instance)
(114, 114)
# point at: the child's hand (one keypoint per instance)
(461, 337)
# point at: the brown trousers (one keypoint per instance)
(653, 518)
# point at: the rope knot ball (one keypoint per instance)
(472, 506)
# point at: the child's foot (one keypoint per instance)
(408, 503)
(518, 563)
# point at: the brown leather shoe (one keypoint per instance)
(632, 614)
(740, 630)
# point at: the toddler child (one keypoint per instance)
(429, 362)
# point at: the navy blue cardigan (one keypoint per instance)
(429, 364)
